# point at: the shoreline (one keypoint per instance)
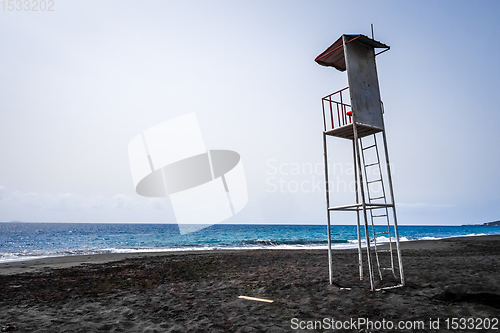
(200, 292)
(47, 263)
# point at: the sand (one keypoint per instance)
(198, 291)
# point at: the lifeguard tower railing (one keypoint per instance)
(338, 117)
(336, 113)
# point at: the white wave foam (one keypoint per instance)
(350, 244)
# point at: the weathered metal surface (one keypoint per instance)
(363, 83)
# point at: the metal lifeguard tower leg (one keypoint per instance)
(363, 199)
(357, 210)
(396, 232)
(327, 210)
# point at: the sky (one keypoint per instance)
(79, 82)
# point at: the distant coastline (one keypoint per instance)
(487, 224)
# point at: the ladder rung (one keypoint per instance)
(384, 251)
(382, 197)
(369, 147)
(383, 215)
(371, 164)
(386, 269)
(381, 233)
(373, 181)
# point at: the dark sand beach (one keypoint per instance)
(198, 291)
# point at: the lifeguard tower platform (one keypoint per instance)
(356, 113)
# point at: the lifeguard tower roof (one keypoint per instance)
(334, 55)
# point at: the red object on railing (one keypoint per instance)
(350, 115)
(343, 110)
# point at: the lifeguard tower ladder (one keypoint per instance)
(362, 122)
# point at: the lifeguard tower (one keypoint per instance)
(356, 113)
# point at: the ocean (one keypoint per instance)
(23, 241)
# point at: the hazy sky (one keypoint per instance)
(78, 83)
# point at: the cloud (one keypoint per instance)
(75, 202)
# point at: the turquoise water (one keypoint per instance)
(20, 241)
